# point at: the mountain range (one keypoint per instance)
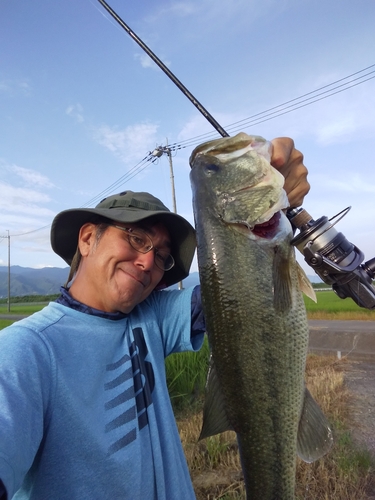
(29, 281)
(47, 280)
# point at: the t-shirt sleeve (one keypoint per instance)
(174, 313)
(25, 385)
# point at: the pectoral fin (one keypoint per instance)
(314, 433)
(305, 284)
(215, 419)
(282, 283)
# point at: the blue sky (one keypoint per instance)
(81, 105)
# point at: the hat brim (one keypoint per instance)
(67, 224)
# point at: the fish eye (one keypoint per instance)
(211, 168)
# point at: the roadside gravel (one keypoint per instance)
(360, 381)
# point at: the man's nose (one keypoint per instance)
(146, 260)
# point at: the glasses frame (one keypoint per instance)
(165, 256)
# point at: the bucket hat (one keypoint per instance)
(128, 207)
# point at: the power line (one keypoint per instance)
(32, 231)
(263, 116)
(126, 177)
(296, 106)
(141, 165)
(260, 117)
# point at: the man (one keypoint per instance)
(84, 406)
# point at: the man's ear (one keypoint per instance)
(86, 238)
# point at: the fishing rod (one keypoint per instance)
(169, 73)
(330, 254)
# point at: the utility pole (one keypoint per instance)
(158, 152)
(8, 270)
(169, 154)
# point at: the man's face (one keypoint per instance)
(113, 276)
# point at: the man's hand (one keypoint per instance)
(289, 162)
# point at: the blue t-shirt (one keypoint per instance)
(84, 407)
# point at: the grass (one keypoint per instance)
(186, 376)
(29, 298)
(5, 322)
(329, 307)
(22, 308)
(346, 473)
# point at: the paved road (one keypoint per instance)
(356, 337)
(13, 316)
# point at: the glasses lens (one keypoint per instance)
(140, 241)
(164, 261)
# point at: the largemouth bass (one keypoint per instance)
(255, 315)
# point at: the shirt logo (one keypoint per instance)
(131, 389)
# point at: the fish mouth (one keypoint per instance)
(268, 229)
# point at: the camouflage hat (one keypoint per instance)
(128, 207)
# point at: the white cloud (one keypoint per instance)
(336, 119)
(4, 87)
(23, 207)
(353, 183)
(332, 132)
(15, 87)
(76, 112)
(31, 176)
(195, 126)
(145, 60)
(37, 249)
(130, 143)
(175, 10)
(182, 9)
(198, 125)
(12, 196)
(23, 210)
(198, 18)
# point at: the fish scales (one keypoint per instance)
(258, 341)
(234, 305)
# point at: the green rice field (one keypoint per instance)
(330, 306)
(22, 308)
(327, 303)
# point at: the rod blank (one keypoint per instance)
(169, 73)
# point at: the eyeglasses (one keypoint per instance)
(141, 242)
